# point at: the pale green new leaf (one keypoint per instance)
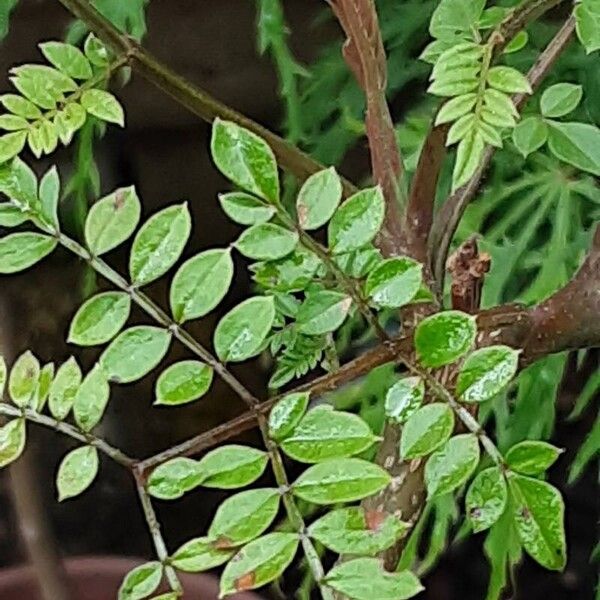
(577, 144)
(142, 581)
(95, 51)
(3, 375)
(486, 499)
(468, 157)
(530, 135)
(11, 144)
(404, 398)
(394, 282)
(91, 399)
(11, 216)
(286, 414)
(240, 334)
(323, 312)
(13, 123)
(452, 16)
(340, 480)
(104, 105)
(174, 478)
(259, 562)
(68, 59)
(509, 80)
(183, 382)
(49, 194)
(100, 318)
(426, 430)
(318, 199)
(12, 441)
(460, 129)
(64, 389)
(560, 99)
(246, 209)
(232, 466)
(532, 457)
(200, 554)
(266, 241)
(42, 389)
(76, 472)
(19, 251)
(111, 220)
(456, 108)
(159, 244)
(23, 379)
(20, 106)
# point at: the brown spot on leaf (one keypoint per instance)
(222, 543)
(374, 519)
(119, 200)
(302, 214)
(245, 582)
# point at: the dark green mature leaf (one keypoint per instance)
(76, 472)
(340, 480)
(587, 18)
(259, 562)
(91, 399)
(135, 352)
(246, 159)
(246, 209)
(366, 579)
(404, 398)
(426, 430)
(486, 372)
(286, 414)
(241, 332)
(100, 319)
(267, 241)
(357, 531)
(112, 220)
(244, 517)
(324, 433)
(200, 554)
(142, 581)
(68, 59)
(538, 513)
(452, 465)
(173, 479)
(63, 389)
(560, 99)
(577, 144)
(232, 466)
(444, 337)
(183, 382)
(159, 243)
(104, 105)
(532, 457)
(486, 499)
(323, 312)
(23, 379)
(357, 221)
(19, 251)
(12, 441)
(394, 282)
(530, 135)
(318, 199)
(200, 284)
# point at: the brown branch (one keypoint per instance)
(365, 55)
(449, 216)
(185, 93)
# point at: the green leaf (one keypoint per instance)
(232, 466)
(19, 251)
(11, 144)
(286, 414)
(259, 563)
(200, 554)
(461, 80)
(20, 106)
(23, 379)
(486, 372)
(426, 430)
(323, 312)
(91, 399)
(404, 398)
(112, 220)
(241, 332)
(174, 478)
(266, 241)
(486, 499)
(68, 59)
(100, 318)
(560, 99)
(244, 517)
(394, 282)
(77, 472)
(509, 80)
(324, 433)
(577, 144)
(359, 263)
(289, 274)
(4, 372)
(12, 441)
(159, 244)
(11, 216)
(13, 123)
(95, 51)
(246, 159)
(366, 579)
(468, 157)
(318, 199)
(142, 581)
(530, 135)
(357, 221)
(587, 22)
(49, 194)
(357, 531)
(517, 43)
(340, 480)
(42, 389)
(103, 105)
(245, 209)
(200, 284)
(532, 457)
(135, 352)
(183, 382)
(452, 465)
(64, 388)
(456, 108)
(68, 121)
(538, 513)
(452, 16)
